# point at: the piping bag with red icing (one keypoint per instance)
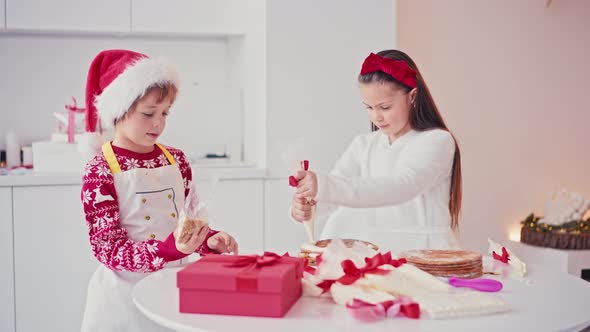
(292, 154)
(308, 224)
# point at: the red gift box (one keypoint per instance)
(266, 285)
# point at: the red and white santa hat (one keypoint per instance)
(116, 78)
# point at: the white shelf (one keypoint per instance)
(69, 15)
(114, 34)
(58, 179)
(40, 180)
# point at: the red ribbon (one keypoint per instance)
(326, 285)
(365, 311)
(72, 110)
(247, 279)
(411, 310)
(256, 261)
(397, 68)
(318, 260)
(504, 258)
(387, 259)
(352, 273)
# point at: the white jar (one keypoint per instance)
(12, 150)
(27, 155)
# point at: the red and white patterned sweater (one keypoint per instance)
(110, 243)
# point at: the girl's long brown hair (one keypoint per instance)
(424, 115)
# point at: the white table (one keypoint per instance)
(544, 301)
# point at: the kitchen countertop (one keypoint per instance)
(56, 179)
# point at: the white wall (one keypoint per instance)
(2, 14)
(247, 59)
(314, 53)
(41, 72)
(510, 78)
(253, 66)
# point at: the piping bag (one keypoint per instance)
(292, 154)
(308, 224)
(196, 211)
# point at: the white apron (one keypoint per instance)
(149, 203)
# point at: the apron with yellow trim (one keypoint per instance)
(150, 200)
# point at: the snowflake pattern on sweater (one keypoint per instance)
(109, 241)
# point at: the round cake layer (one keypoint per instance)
(441, 257)
(450, 269)
(467, 275)
(458, 270)
(310, 251)
(447, 263)
(449, 266)
(320, 246)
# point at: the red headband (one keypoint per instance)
(397, 68)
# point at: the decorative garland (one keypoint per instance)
(571, 227)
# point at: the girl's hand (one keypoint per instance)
(223, 243)
(301, 209)
(307, 187)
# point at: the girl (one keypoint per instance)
(134, 190)
(406, 173)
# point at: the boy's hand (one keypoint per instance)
(190, 234)
(223, 243)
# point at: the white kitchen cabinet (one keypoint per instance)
(189, 16)
(69, 15)
(53, 259)
(2, 14)
(237, 209)
(6, 262)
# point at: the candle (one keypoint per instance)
(514, 234)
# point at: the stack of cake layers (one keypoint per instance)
(447, 263)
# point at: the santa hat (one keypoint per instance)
(116, 79)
